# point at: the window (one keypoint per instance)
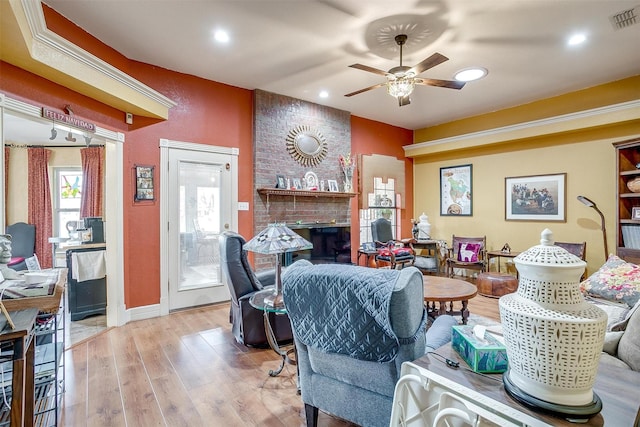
(67, 193)
(382, 204)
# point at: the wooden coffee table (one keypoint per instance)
(443, 290)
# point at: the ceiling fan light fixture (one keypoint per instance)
(401, 86)
(470, 74)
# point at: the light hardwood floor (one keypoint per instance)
(186, 369)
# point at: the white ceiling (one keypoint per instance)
(300, 47)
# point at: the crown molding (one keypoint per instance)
(594, 117)
(50, 49)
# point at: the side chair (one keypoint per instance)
(468, 253)
(577, 249)
(388, 252)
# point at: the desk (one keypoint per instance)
(257, 301)
(443, 290)
(618, 388)
(499, 254)
(22, 382)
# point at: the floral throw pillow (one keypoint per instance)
(468, 252)
(617, 280)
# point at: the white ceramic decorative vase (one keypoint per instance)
(424, 228)
(553, 337)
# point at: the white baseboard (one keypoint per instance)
(144, 312)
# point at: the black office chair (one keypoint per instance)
(388, 250)
(248, 322)
(23, 244)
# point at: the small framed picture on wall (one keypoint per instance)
(144, 183)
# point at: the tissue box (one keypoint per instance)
(488, 355)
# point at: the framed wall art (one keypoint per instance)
(333, 185)
(144, 183)
(456, 191)
(536, 198)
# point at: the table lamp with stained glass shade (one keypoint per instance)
(277, 239)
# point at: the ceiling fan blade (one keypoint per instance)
(450, 84)
(430, 62)
(366, 89)
(404, 100)
(369, 69)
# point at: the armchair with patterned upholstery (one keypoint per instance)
(468, 253)
(389, 250)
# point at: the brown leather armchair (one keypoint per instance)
(242, 282)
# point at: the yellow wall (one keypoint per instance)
(17, 208)
(596, 182)
(586, 155)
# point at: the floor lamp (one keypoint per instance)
(589, 203)
(277, 239)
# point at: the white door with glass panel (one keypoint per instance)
(200, 207)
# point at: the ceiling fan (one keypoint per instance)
(402, 79)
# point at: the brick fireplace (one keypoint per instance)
(325, 219)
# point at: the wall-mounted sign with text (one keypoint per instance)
(68, 119)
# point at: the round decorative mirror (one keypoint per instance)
(306, 146)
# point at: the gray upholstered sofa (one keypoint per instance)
(353, 328)
(622, 347)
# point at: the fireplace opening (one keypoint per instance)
(331, 244)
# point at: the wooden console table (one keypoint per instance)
(499, 254)
(429, 249)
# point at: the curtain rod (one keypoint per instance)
(97, 144)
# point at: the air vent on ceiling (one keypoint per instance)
(626, 18)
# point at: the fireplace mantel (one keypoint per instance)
(269, 192)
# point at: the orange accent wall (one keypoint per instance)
(371, 137)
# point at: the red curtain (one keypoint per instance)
(92, 171)
(7, 150)
(40, 211)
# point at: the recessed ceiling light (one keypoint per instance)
(577, 39)
(323, 94)
(221, 36)
(470, 74)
